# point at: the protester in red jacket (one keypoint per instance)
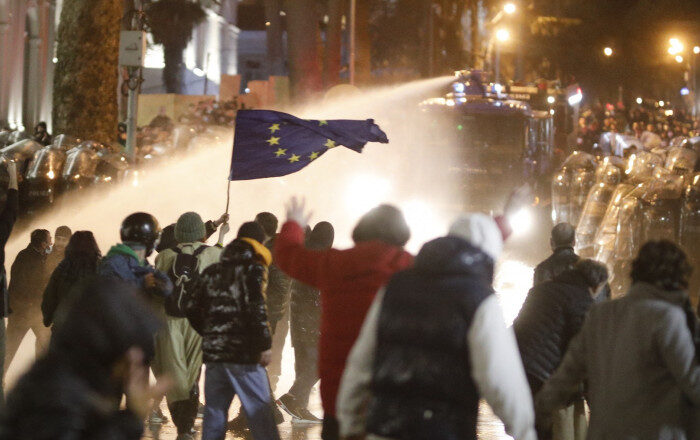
(348, 281)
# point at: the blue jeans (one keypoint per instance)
(222, 381)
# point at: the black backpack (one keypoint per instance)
(184, 271)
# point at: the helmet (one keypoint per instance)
(141, 228)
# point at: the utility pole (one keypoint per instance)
(131, 55)
(353, 47)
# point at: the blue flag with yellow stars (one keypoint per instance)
(270, 144)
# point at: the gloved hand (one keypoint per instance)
(225, 228)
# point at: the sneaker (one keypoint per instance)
(157, 417)
(306, 418)
(238, 424)
(289, 404)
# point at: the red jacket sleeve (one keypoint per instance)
(300, 263)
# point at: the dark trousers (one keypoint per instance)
(305, 369)
(19, 323)
(184, 412)
(330, 430)
(543, 432)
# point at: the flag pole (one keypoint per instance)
(228, 195)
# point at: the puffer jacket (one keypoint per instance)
(563, 259)
(552, 314)
(227, 305)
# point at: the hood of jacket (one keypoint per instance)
(454, 256)
(643, 290)
(122, 249)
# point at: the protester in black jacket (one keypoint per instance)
(28, 280)
(82, 258)
(551, 316)
(73, 393)
(563, 257)
(305, 321)
(8, 216)
(227, 307)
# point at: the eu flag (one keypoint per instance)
(270, 144)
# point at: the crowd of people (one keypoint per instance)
(651, 125)
(404, 346)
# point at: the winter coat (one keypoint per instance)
(54, 259)
(279, 289)
(563, 259)
(348, 281)
(304, 315)
(227, 305)
(8, 216)
(69, 394)
(423, 378)
(552, 314)
(637, 356)
(66, 276)
(28, 280)
(122, 263)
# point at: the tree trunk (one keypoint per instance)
(334, 40)
(302, 37)
(363, 46)
(86, 78)
(275, 48)
(174, 68)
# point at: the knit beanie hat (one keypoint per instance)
(190, 228)
(481, 231)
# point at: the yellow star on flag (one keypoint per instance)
(330, 144)
(313, 155)
(294, 158)
(280, 152)
(274, 127)
(273, 141)
(321, 123)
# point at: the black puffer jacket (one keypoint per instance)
(563, 259)
(227, 307)
(421, 383)
(553, 313)
(278, 293)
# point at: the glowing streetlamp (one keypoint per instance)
(608, 51)
(551, 99)
(503, 35)
(661, 103)
(509, 8)
(679, 59)
(696, 50)
(672, 50)
(639, 100)
(676, 43)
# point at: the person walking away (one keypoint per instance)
(8, 216)
(100, 353)
(305, 316)
(167, 236)
(82, 257)
(552, 314)
(279, 291)
(348, 280)
(178, 346)
(28, 279)
(227, 307)
(434, 343)
(127, 261)
(645, 336)
(58, 252)
(563, 257)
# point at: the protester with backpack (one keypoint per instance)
(178, 346)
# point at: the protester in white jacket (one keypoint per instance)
(434, 342)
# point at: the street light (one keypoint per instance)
(696, 50)
(509, 8)
(672, 50)
(639, 100)
(551, 99)
(608, 51)
(676, 43)
(503, 35)
(679, 59)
